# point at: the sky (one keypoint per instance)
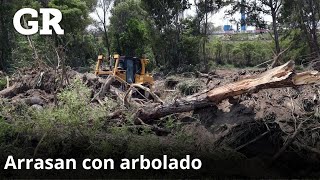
(218, 19)
(99, 11)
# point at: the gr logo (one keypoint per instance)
(47, 21)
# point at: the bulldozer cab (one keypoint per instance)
(130, 75)
(131, 70)
(132, 66)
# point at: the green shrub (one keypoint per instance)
(73, 117)
(298, 51)
(6, 130)
(3, 83)
(189, 87)
(73, 122)
(242, 53)
(73, 112)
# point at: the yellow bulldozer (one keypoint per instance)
(126, 70)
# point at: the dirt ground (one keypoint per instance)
(239, 124)
(278, 104)
(257, 125)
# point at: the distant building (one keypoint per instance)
(227, 28)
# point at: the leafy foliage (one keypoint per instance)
(3, 83)
(75, 14)
(164, 12)
(240, 54)
(158, 30)
(128, 29)
(66, 117)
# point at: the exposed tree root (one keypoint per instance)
(279, 77)
(287, 143)
(105, 87)
(136, 87)
(253, 141)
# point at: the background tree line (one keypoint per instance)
(160, 30)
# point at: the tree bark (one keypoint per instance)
(105, 4)
(205, 59)
(276, 36)
(313, 29)
(279, 77)
(107, 40)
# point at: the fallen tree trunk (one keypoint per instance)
(279, 77)
(14, 90)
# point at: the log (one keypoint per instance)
(14, 90)
(279, 77)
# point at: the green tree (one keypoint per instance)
(75, 14)
(305, 19)
(129, 28)
(76, 40)
(255, 10)
(104, 5)
(166, 16)
(5, 34)
(9, 43)
(204, 8)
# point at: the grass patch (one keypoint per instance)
(3, 83)
(189, 87)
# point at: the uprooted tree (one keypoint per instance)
(279, 77)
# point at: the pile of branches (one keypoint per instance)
(251, 138)
(49, 83)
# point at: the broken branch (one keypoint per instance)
(279, 77)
